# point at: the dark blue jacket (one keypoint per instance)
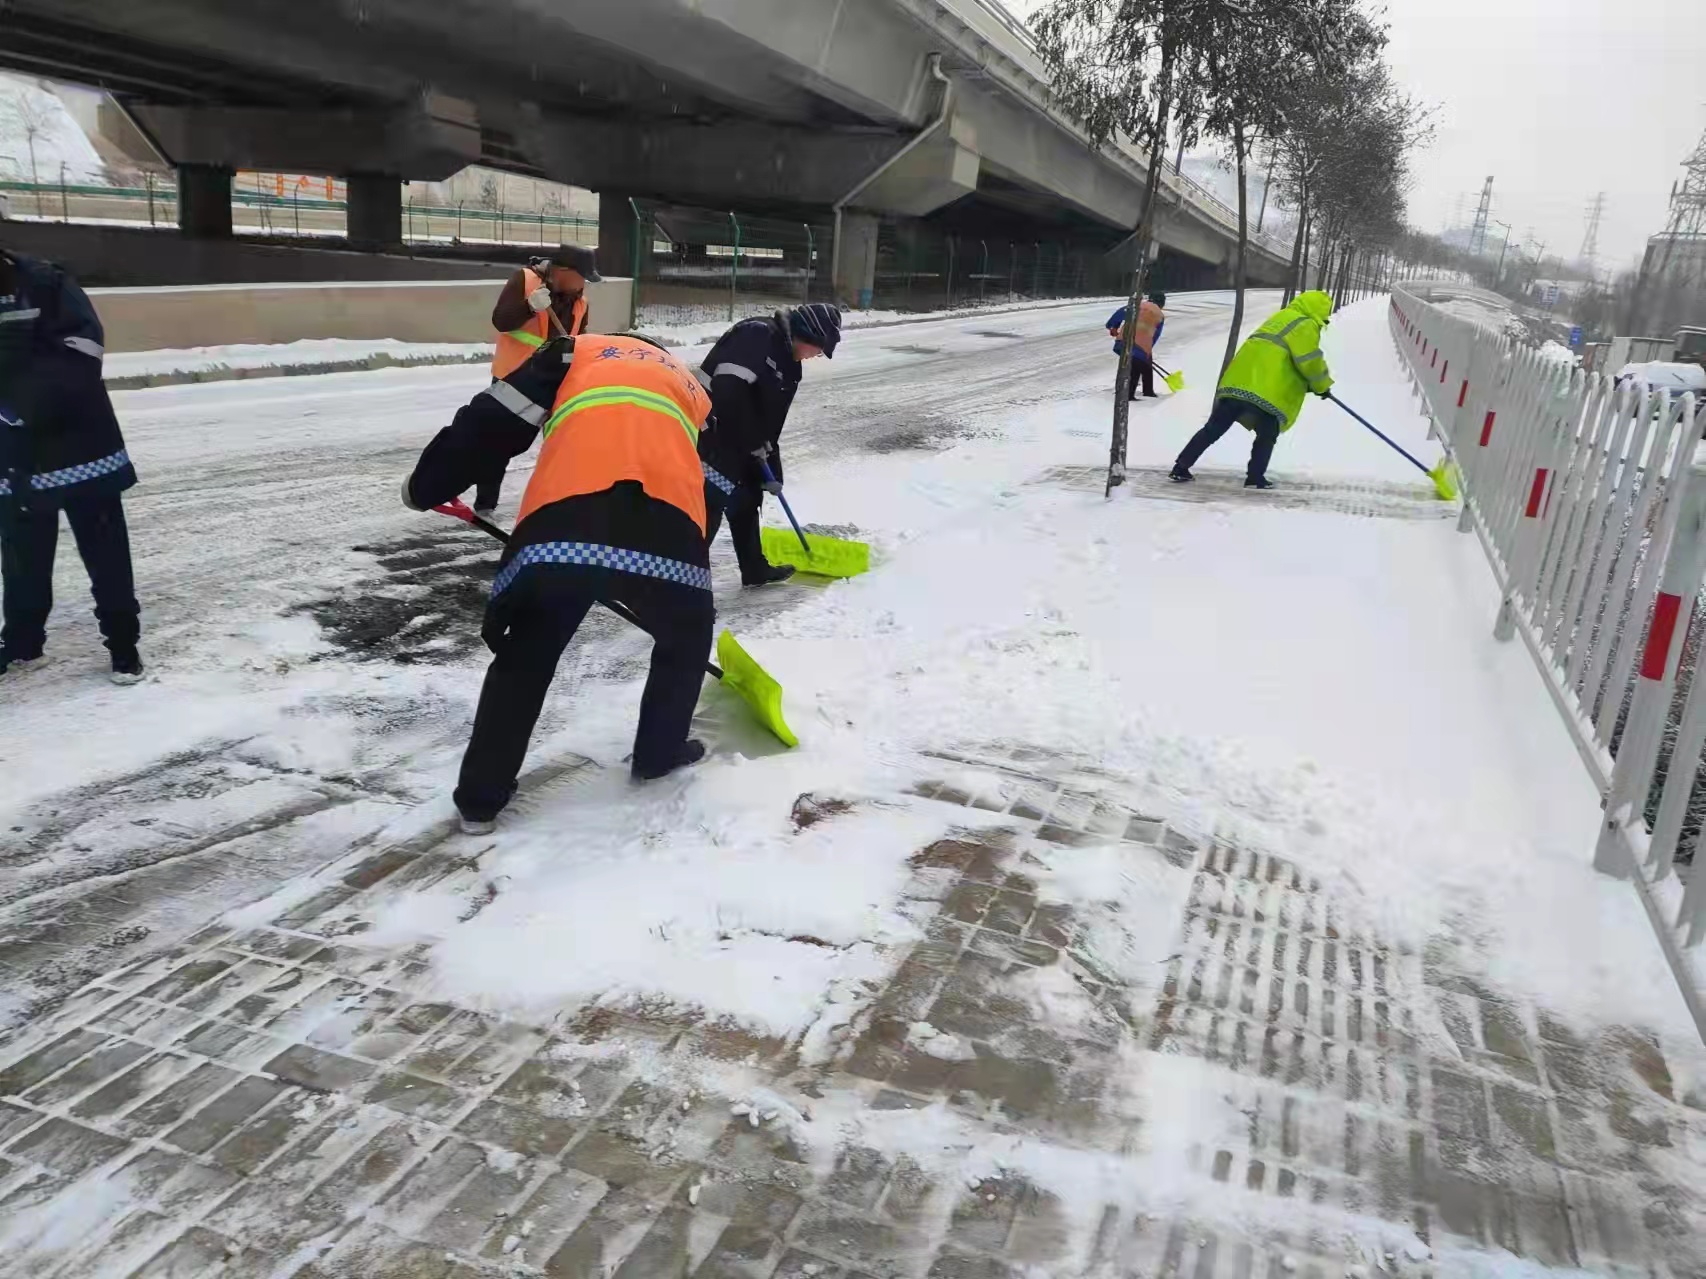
(752, 375)
(59, 438)
(1117, 321)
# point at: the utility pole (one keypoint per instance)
(1499, 275)
(1478, 232)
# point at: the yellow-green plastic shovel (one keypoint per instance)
(1175, 381)
(1444, 475)
(825, 556)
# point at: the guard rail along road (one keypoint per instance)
(1589, 498)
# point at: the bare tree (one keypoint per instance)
(34, 116)
(1124, 69)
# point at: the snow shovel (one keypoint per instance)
(825, 556)
(1443, 481)
(739, 673)
(1175, 381)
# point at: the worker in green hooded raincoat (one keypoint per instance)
(1264, 385)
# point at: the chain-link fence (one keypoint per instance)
(921, 269)
(695, 266)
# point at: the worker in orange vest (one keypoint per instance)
(544, 298)
(1151, 319)
(615, 510)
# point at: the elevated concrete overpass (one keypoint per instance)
(899, 109)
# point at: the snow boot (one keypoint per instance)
(1261, 482)
(692, 751)
(127, 667)
(1180, 475)
(772, 573)
(487, 513)
(472, 826)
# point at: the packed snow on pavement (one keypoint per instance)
(1308, 675)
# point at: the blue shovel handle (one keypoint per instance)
(771, 479)
(1371, 426)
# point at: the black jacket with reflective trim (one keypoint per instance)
(752, 375)
(60, 437)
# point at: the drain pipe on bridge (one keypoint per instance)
(942, 113)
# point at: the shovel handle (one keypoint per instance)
(456, 508)
(1382, 434)
(770, 478)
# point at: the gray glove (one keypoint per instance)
(772, 487)
(540, 299)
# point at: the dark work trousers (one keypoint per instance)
(1228, 412)
(490, 488)
(1142, 374)
(542, 619)
(27, 543)
(742, 508)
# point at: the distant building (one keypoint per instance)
(1678, 256)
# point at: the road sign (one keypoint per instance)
(1551, 295)
(1576, 335)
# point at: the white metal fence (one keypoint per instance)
(1589, 498)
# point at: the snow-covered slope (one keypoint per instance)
(59, 145)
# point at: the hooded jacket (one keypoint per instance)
(1282, 360)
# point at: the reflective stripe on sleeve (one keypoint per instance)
(86, 346)
(517, 403)
(735, 370)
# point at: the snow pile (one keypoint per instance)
(58, 150)
(1557, 353)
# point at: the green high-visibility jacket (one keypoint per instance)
(1282, 360)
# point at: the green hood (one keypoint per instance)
(1317, 305)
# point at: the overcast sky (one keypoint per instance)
(1557, 100)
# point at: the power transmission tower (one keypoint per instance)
(1677, 263)
(1590, 241)
(1478, 233)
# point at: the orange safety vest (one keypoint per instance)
(1149, 317)
(626, 410)
(515, 347)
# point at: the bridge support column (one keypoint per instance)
(616, 235)
(856, 259)
(373, 218)
(204, 201)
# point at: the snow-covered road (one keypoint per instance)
(297, 617)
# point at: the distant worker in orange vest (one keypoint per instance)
(615, 510)
(1151, 319)
(543, 299)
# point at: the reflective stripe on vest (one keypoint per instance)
(640, 398)
(598, 555)
(614, 420)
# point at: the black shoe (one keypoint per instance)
(772, 573)
(1260, 482)
(127, 666)
(1180, 475)
(1151, 395)
(692, 751)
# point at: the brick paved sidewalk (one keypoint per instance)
(1267, 1089)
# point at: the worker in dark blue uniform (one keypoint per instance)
(60, 450)
(752, 374)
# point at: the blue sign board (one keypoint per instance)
(1576, 335)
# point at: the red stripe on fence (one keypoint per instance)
(1463, 393)
(1659, 635)
(1536, 492)
(1486, 427)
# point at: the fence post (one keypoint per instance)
(1037, 269)
(64, 199)
(983, 276)
(734, 266)
(149, 179)
(1655, 683)
(639, 238)
(459, 222)
(948, 292)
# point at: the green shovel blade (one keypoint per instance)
(830, 557)
(753, 685)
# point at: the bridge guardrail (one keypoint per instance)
(1589, 498)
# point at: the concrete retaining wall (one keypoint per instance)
(409, 311)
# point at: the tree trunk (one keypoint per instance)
(1241, 263)
(1303, 274)
(1267, 182)
(1139, 276)
(1297, 248)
